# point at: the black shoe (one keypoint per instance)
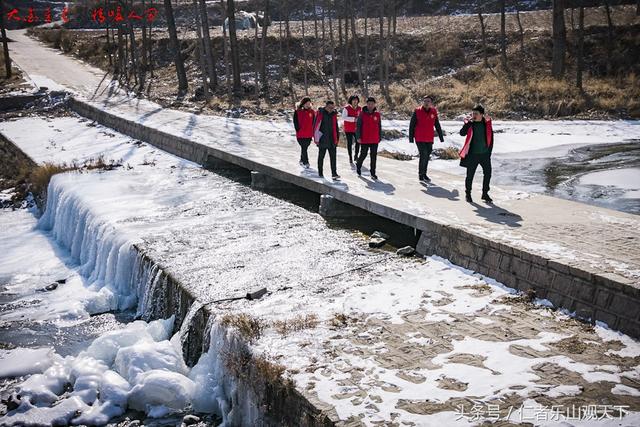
(335, 176)
(374, 176)
(321, 175)
(486, 198)
(358, 170)
(469, 199)
(427, 179)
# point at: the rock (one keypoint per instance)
(377, 242)
(51, 287)
(379, 235)
(406, 251)
(61, 281)
(12, 402)
(190, 419)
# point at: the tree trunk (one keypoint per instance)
(341, 47)
(393, 33)
(201, 52)
(484, 40)
(233, 45)
(609, 38)
(559, 40)
(520, 29)
(225, 52)
(333, 60)
(356, 51)
(304, 57)
(263, 64)
(5, 43)
(580, 65)
(208, 48)
(365, 71)
(175, 46)
(121, 58)
(381, 48)
(288, 51)
(503, 34)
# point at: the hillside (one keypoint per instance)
(441, 55)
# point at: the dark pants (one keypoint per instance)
(351, 139)
(304, 145)
(332, 157)
(473, 160)
(424, 148)
(373, 150)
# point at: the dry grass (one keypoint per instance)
(249, 327)
(448, 153)
(298, 323)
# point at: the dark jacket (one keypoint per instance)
(327, 124)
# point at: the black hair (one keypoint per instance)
(329, 102)
(352, 97)
(479, 108)
(371, 99)
(303, 101)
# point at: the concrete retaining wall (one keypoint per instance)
(592, 296)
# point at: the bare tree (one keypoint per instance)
(288, 50)
(503, 34)
(233, 45)
(304, 53)
(5, 42)
(201, 51)
(225, 50)
(263, 64)
(580, 65)
(365, 75)
(484, 38)
(333, 60)
(607, 9)
(208, 49)
(355, 45)
(175, 46)
(520, 29)
(559, 39)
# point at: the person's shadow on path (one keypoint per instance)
(493, 213)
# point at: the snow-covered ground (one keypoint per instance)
(395, 339)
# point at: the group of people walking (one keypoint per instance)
(363, 130)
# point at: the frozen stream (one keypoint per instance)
(386, 328)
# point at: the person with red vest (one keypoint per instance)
(350, 114)
(326, 136)
(303, 123)
(477, 150)
(368, 133)
(421, 129)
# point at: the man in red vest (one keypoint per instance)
(477, 150)
(303, 123)
(368, 132)
(421, 129)
(350, 114)
(326, 136)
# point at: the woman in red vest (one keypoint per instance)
(303, 122)
(368, 131)
(421, 129)
(350, 114)
(476, 150)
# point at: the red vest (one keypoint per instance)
(467, 142)
(350, 116)
(305, 123)
(370, 130)
(426, 121)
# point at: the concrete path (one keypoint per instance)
(572, 236)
